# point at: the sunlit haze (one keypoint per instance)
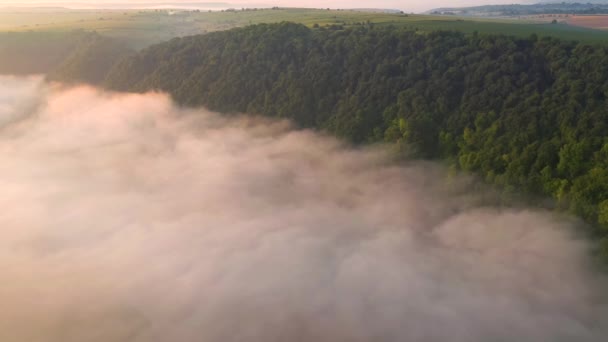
(406, 5)
(173, 225)
(303, 170)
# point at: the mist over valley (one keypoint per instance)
(128, 219)
(296, 174)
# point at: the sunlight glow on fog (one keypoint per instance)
(126, 219)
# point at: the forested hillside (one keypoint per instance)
(90, 60)
(36, 52)
(76, 56)
(529, 115)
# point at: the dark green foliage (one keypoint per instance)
(526, 114)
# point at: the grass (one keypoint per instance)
(144, 27)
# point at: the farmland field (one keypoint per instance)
(145, 27)
(590, 21)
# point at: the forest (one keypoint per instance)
(67, 56)
(308, 175)
(528, 115)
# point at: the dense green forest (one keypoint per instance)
(528, 115)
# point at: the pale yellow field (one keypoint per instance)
(590, 21)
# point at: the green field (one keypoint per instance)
(144, 27)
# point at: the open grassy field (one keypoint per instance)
(144, 27)
(590, 21)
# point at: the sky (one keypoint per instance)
(406, 5)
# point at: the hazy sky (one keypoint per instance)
(407, 5)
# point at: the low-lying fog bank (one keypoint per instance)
(126, 219)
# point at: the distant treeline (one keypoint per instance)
(534, 9)
(529, 115)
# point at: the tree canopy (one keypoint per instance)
(529, 115)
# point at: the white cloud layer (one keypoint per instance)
(126, 219)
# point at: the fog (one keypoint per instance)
(125, 218)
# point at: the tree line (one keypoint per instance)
(528, 115)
